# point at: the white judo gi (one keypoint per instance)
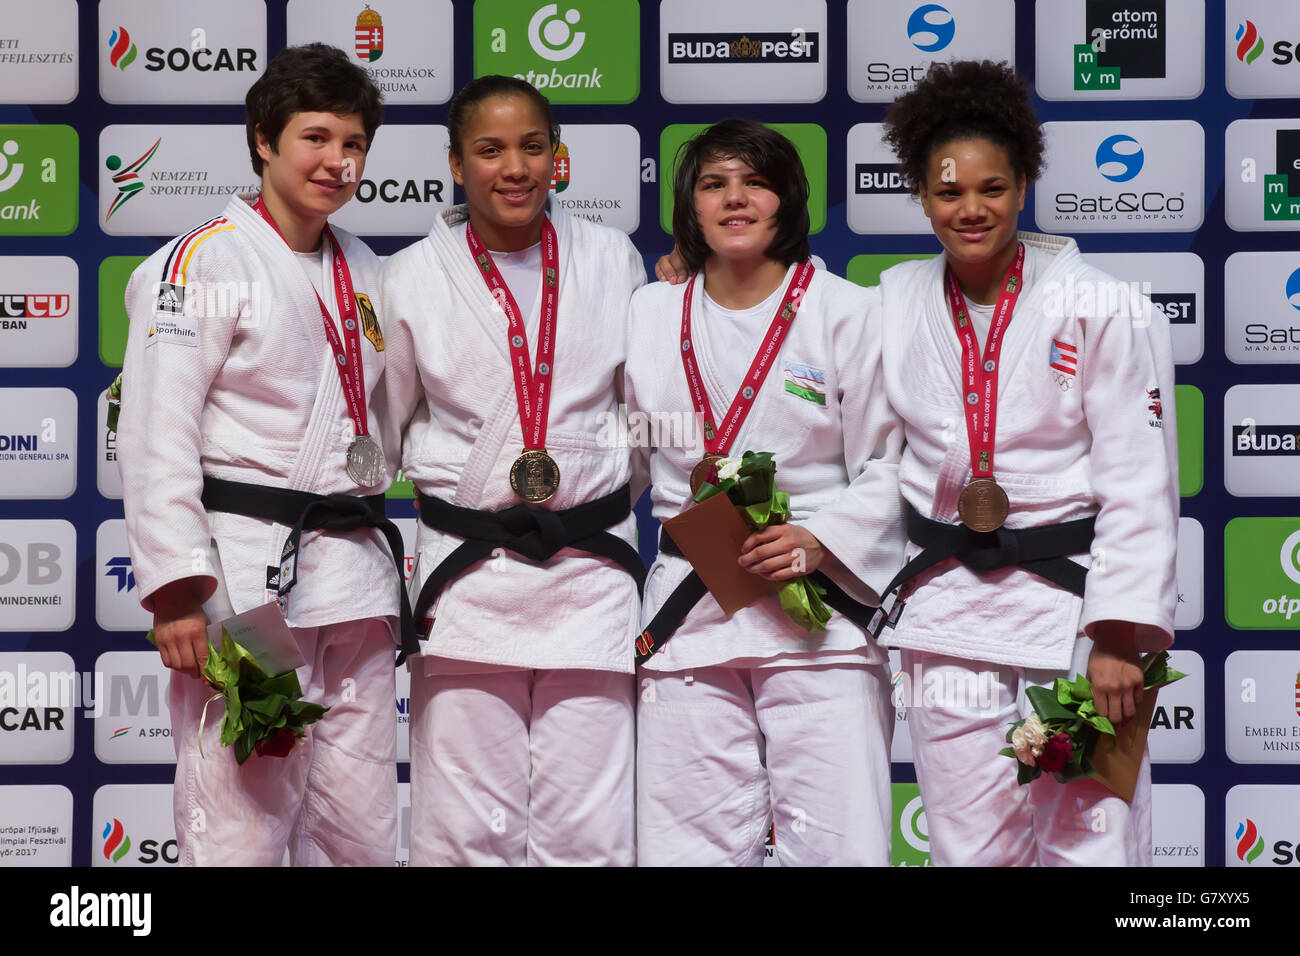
(1085, 426)
(522, 717)
(748, 718)
(229, 374)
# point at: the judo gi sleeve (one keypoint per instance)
(176, 346)
(1128, 400)
(863, 526)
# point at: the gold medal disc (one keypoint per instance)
(535, 476)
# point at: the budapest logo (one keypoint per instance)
(560, 177)
(9, 173)
(121, 51)
(796, 47)
(1119, 158)
(116, 842)
(127, 178)
(931, 28)
(552, 37)
(119, 568)
(1265, 440)
(1249, 43)
(369, 35)
(1249, 843)
(1282, 189)
(1124, 39)
(879, 179)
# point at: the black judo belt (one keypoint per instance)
(304, 511)
(1041, 551)
(537, 534)
(688, 594)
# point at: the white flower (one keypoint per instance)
(1028, 740)
(727, 468)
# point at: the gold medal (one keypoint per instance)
(535, 476)
(700, 473)
(983, 505)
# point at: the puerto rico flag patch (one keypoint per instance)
(1064, 357)
(806, 382)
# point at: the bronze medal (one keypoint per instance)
(983, 505)
(535, 476)
(700, 473)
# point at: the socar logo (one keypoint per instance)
(121, 51)
(1119, 158)
(930, 28)
(116, 842)
(1249, 43)
(1249, 843)
(1293, 289)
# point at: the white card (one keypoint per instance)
(263, 634)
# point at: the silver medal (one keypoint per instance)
(366, 461)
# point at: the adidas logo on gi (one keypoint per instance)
(171, 299)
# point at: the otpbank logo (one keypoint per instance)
(1261, 573)
(1120, 49)
(577, 51)
(38, 180)
(911, 837)
(1262, 49)
(116, 841)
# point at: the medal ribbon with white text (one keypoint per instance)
(347, 354)
(532, 388)
(980, 395)
(718, 440)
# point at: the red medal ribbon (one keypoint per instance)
(980, 396)
(717, 441)
(347, 358)
(532, 387)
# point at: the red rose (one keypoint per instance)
(277, 746)
(712, 476)
(1057, 753)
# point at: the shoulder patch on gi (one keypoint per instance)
(177, 329)
(805, 381)
(1063, 359)
(369, 321)
(1157, 419)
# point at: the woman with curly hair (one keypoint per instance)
(1040, 440)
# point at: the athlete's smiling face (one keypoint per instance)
(736, 209)
(505, 165)
(316, 165)
(973, 196)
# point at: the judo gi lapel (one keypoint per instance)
(299, 316)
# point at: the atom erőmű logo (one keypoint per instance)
(1124, 40)
(1282, 189)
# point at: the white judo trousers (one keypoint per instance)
(976, 812)
(723, 752)
(527, 767)
(332, 801)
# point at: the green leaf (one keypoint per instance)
(1007, 752)
(1046, 705)
(1102, 724)
(1025, 773)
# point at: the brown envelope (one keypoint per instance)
(710, 535)
(1117, 761)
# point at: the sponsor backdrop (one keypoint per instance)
(1173, 130)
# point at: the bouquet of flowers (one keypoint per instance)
(750, 483)
(1061, 735)
(264, 715)
(114, 403)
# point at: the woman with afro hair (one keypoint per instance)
(1040, 480)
